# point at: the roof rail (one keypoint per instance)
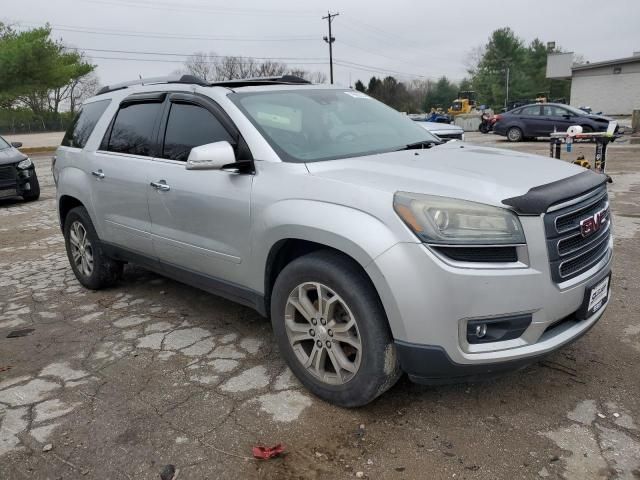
(189, 79)
(193, 80)
(247, 82)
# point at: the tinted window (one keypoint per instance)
(531, 110)
(133, 128)
(79, 131)
(553, 111)
(190, 126)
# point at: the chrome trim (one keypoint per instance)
(598, 236)
(580, 255)
(573, 201)
(521, 251)
(573, 212)
(584, 276)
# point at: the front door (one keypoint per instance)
(200, 218)
(557, 118)
(120, 170)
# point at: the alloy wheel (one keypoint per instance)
(323, 333)
(81, 249)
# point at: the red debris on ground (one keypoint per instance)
(265, 453)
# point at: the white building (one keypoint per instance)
(611, 87)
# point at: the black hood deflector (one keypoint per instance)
(538, 199)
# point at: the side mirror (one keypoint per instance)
(16, 144)
(212, 156)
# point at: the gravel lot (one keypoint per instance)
(119, 383)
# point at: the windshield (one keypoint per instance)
(315, 125)
(4, 144)
(575, 111)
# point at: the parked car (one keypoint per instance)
(17, 173)
(541, 119)
(373, 248)
(444, 131)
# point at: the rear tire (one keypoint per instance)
(514, 134)
(91, 266)
(326, 313)
(34, 193)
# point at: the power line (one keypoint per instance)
(172, 54)
(129, 33)
(165, 60)
(186, 7)
(374, 69)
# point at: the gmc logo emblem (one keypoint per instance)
(591, 225)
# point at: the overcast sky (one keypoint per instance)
(410, 39)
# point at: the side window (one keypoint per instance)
(553, 111)
(190, 126)
(531, 110)
(79, 131)
(133, 128)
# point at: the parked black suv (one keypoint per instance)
(17, 173)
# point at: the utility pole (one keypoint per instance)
(506, 98)
(330, 39)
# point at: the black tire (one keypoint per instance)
(34, 193)
(514, 134)
(378, 368)
(105, 271)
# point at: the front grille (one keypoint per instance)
(8, 172)
(450, 136)
(571, 253)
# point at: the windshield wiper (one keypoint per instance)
(420, 145)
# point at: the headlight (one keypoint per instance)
(24, 164)
(443, 220)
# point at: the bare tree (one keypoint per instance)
(202, 65)
(269, 68)
(82, 89)
(473, 59)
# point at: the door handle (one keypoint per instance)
(98, 174)
(161, 185)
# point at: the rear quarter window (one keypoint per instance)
(80, 130)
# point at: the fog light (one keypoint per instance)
(497, 329)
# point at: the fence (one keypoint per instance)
(16, 121)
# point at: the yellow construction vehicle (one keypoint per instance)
(465, 103)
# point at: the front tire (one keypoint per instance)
(33, 193)
(332, 330)
(514, 134)
(91, 266)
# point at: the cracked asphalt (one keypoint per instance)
(117, 384)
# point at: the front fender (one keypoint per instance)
(358, 234)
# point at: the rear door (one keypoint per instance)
(201, 218)
(121, 169)
(530, 117)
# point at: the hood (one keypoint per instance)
(11, 155)
(599, 118)
(468, 172)
(440, 127)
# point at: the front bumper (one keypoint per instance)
(14, 181)
(429, 301)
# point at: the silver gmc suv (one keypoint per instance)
(373, 248)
